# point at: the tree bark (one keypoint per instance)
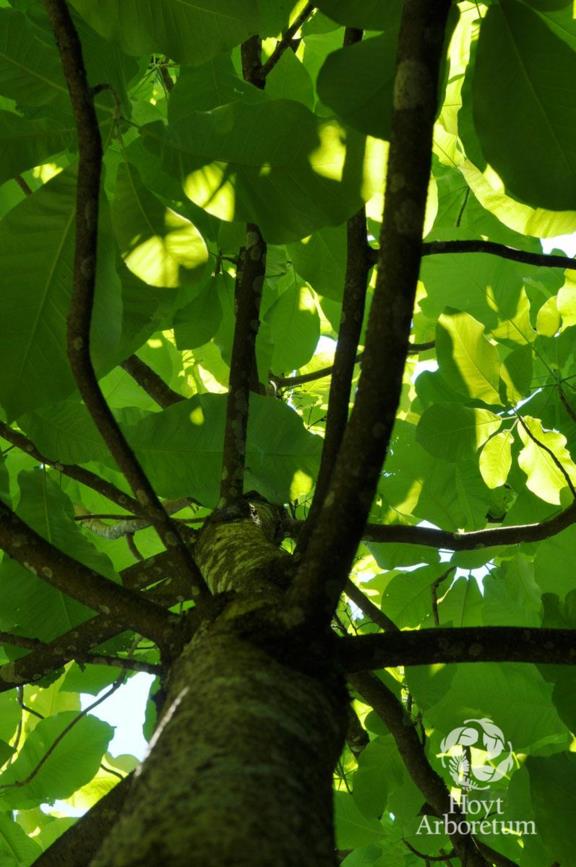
(240, 769)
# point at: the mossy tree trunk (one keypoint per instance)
(240, 767)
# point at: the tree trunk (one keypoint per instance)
(240, 767)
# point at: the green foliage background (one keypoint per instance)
(486, 431)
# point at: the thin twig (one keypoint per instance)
(149, 380)
(24, 185)
(166, 77)
(303, 378)
(84, 282)
(424, 857)
(286, 40)
(492, 248)
(367, 607)
(126, 524)
(79, 474)
(543, 260)
(326, 563)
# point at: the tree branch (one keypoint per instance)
(303, 378)
(491, 537)
(93, 658)
(79, 641)
(79, 474)
(286, 40)
(329, 555)
(371, 611)
(71, 577)
(358, 268)
(544, 260)
(85, 264)
(125, 524)
(391, 711)
(149, 380)
(466, 644)
(250, 275)
(492, 248)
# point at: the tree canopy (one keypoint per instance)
(288, 420)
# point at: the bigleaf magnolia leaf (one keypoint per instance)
(553, 789)
(273, 162)
(202, 88)
(368, 15)
(189, 31)
(30, 69)
(72, 763)
(468, 361)
(496, 459)
(455, 432)
(158, 245)
(524, 108)
(16, 847)
(181, 449)
(36, 249)
(294, 328)
(545, 460)
(357, 82)
(26, 143)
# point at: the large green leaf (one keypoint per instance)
(202, 88)
(455, 432)
(158, 245)
(64, 432)
(71, 764)
(496, 459)
(524, 113)
(36, 249)
(272, 162)
(352, 827)
(17, 849)
(356, 82)
(514, 696)
(199, 321)
(181, 449)
(553, 788)
(321, 260)
(294, 328)
(26, 143)
(28, 602)
(369, 15)
(545, 460)
(30, 70)
(190, 31)
(468, 361)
